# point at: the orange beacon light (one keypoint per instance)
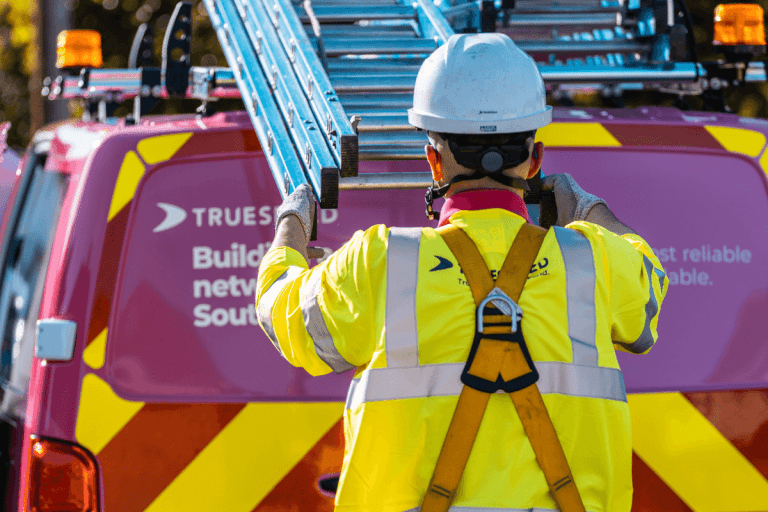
(78, 49)
(739, 24)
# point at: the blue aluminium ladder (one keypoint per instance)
(305, 90)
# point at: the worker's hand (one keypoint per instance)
(301, 203)
(573, 203)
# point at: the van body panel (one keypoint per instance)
(179, 415)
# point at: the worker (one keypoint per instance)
(395, 307)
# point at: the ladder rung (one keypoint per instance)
(645, 73)
(357, 31)
(374, 112)
(398, 101)
(386, 181)
(581, 8)
(353, 13)
(393, 152)
(567, 4)
(581, 48)
(411, 137)
(357, 70)
(356, 3)
(360, 65)
(564, 20)
(363, 46)
(384, 123)
(370, 83)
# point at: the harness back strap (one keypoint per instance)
(497, 358)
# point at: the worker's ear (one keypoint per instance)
(536, 158)
(433, 157)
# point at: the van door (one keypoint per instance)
(25, 253)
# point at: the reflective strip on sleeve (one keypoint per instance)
(402, 340)
(426, 381)
(580, 294)
(267, 302)
(317, 328)
(645, 340)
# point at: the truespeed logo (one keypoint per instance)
(443, 265)
(173, 217)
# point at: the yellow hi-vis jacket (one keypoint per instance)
(392, 304)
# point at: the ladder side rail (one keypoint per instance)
(317, 86)
(431, 21)
(250, 22)
(285, 164)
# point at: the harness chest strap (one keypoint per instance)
(499, 360)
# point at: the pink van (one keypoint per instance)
(135, 376)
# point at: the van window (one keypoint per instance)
(182, 326)
(704, 214)
(28, 248)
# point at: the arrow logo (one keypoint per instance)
(443, 265)
(173, 217)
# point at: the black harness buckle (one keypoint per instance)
(501, 304)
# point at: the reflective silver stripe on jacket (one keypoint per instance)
(645, 340)
(379, 384)
(267, 302)
(404, 378)
(580, 294)
(401, 331)
(316, 326)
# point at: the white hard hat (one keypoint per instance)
(479, 83)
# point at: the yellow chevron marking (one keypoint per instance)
(131, 173)
(161, 148)
(576, 134)
(764, 162)
(244, 463)
(93, 355)
(738, 140)
(102, 413)
(694, 459)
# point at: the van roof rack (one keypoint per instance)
(327, 83)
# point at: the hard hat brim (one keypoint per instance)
(439, 124)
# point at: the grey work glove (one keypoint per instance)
(573, 203)
(301, 203)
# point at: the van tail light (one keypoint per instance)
(62, 477)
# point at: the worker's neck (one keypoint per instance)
(481, 184)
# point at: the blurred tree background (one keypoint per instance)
(17, 61)
(117, 21)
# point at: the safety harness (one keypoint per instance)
(499, 360)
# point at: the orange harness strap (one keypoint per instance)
(499, 361)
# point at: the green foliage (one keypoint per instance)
(15, 64)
